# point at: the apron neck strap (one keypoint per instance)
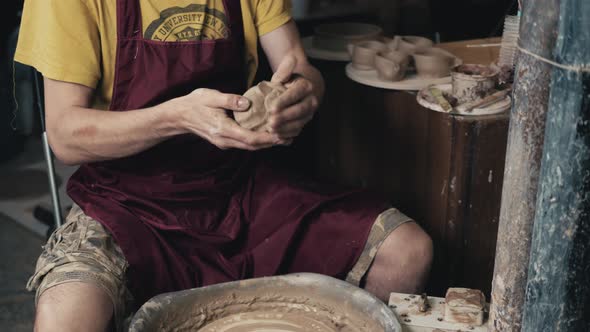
(129, 24)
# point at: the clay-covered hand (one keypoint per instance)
(204, 113)
(296, 106)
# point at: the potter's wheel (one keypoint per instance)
(292, 303)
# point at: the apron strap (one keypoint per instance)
(129, 24)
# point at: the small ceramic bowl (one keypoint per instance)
(433, 62)
(392, 65)
(412, 44)
(363, 53)
(336, 36)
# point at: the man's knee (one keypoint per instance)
(73, 307)
(419, 248)
(408, 248)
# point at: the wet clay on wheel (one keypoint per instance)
(285, 311)
(261, 98)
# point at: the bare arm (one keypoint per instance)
(79, 134)
(296, 107)
(285, 42)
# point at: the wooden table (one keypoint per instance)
(470, 54)
(445, 171)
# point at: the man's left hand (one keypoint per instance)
(296, 106)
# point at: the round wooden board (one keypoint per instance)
(496, 108)
(411, 82)
(320, 54)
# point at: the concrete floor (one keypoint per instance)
(20, 249)
(23, 185)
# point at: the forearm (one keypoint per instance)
(285, 42)
(86, 135)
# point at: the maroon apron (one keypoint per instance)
(187, 214)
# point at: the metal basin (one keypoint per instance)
(291, 303)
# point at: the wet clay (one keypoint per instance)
(268, 312)
(261, 98)
(465, 297)
(292, 303)
(260, 321)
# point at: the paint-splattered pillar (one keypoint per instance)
(558, 287)
(538, 33)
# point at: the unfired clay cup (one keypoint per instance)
(393, 43)
(413, 44)
(433, 62)
(363, 53)
(392, 65)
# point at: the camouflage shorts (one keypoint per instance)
(83, 251)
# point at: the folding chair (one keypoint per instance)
(40, 212)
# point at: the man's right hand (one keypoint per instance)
(80, 134)
(204, 113)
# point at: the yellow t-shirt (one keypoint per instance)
(75, 40)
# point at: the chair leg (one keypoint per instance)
(52, 182)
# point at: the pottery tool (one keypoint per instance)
(487, 101)
(484, 45)
(440, 99)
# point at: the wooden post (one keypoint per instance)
(523, 160)
(558, 287)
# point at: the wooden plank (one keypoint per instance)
(405, 307)
(478, 55)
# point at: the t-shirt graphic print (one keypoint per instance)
(191, 23)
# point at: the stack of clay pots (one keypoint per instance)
(394, 57)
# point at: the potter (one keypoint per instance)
(172, 192)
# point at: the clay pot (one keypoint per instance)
(392, 65)
(336, 36)
(413, 44)
(433, 62)
(363, 54)
(473, 82)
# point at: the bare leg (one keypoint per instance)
(402, 262)
(73, 306)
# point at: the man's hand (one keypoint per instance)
(296, 106)
(204, 113)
